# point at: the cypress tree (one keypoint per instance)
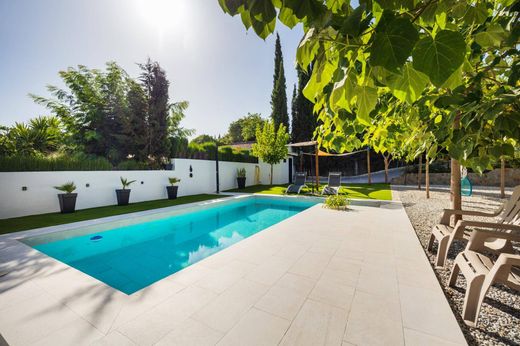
(136, 125)
(156, 85)
(279, 112)
(303, 120)
(294, 112)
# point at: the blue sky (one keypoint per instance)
(210, 59)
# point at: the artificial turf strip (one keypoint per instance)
(360, 191)
(52, 219)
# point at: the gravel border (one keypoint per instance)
(499, 320)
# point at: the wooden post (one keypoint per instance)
(455, 177)
(387, 163)
(419, 175)
(317, 170)
(368, 166)
(427, 177)
(502, 178)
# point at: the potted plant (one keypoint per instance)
(172, 189)
(241, 178)
(67, 199)
(123, 195)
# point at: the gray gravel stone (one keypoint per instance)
(499, 320)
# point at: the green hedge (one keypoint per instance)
(62, 163)
(67, 163)
(81, 162)
(206, 151)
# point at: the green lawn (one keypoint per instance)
(361, 191)
(43, 220)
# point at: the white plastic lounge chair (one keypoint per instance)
(501, 219)
(481, 271)
(333, 186)
(299, 183)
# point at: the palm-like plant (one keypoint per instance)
(67, 187)
(126, 183)
(173, 181)
(46, 133)
(241, 172)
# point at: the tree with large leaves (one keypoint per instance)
(457, 59)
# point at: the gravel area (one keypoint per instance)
(499, 320)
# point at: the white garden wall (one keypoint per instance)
(40, 196)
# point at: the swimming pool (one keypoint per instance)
(131, 257)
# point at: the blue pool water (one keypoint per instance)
(132, 257)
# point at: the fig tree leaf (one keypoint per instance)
(366, 102)
(394, 40)
(409, 85)
(492, 37)
(439, 57)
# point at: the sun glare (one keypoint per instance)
(163, 15)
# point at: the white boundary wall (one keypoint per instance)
(41, 197)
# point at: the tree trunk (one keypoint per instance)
(387, 163)
(317, 170)
(271, 174)
(427, 173)
(368, 167)
(419, 175)
(455, 177)
(502, 178)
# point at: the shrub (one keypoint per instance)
(132, 165)
(337, 202)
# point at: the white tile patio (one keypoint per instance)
(321, 277)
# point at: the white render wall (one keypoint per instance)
(41, 197)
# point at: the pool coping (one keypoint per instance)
(20, 235)
(60, 278)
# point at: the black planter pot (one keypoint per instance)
(241, 181)
(172, 191)
(123, 196)
(67, 202)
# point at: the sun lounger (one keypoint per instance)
(481, 271)
(299, 183)
(333, 186)
(445, 234)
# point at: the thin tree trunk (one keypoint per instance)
(387, 163)
(427, 173)
(317, 170)
(271, 174)
(368, 167)
(502, 178)
(419, 175)
(455, 177)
